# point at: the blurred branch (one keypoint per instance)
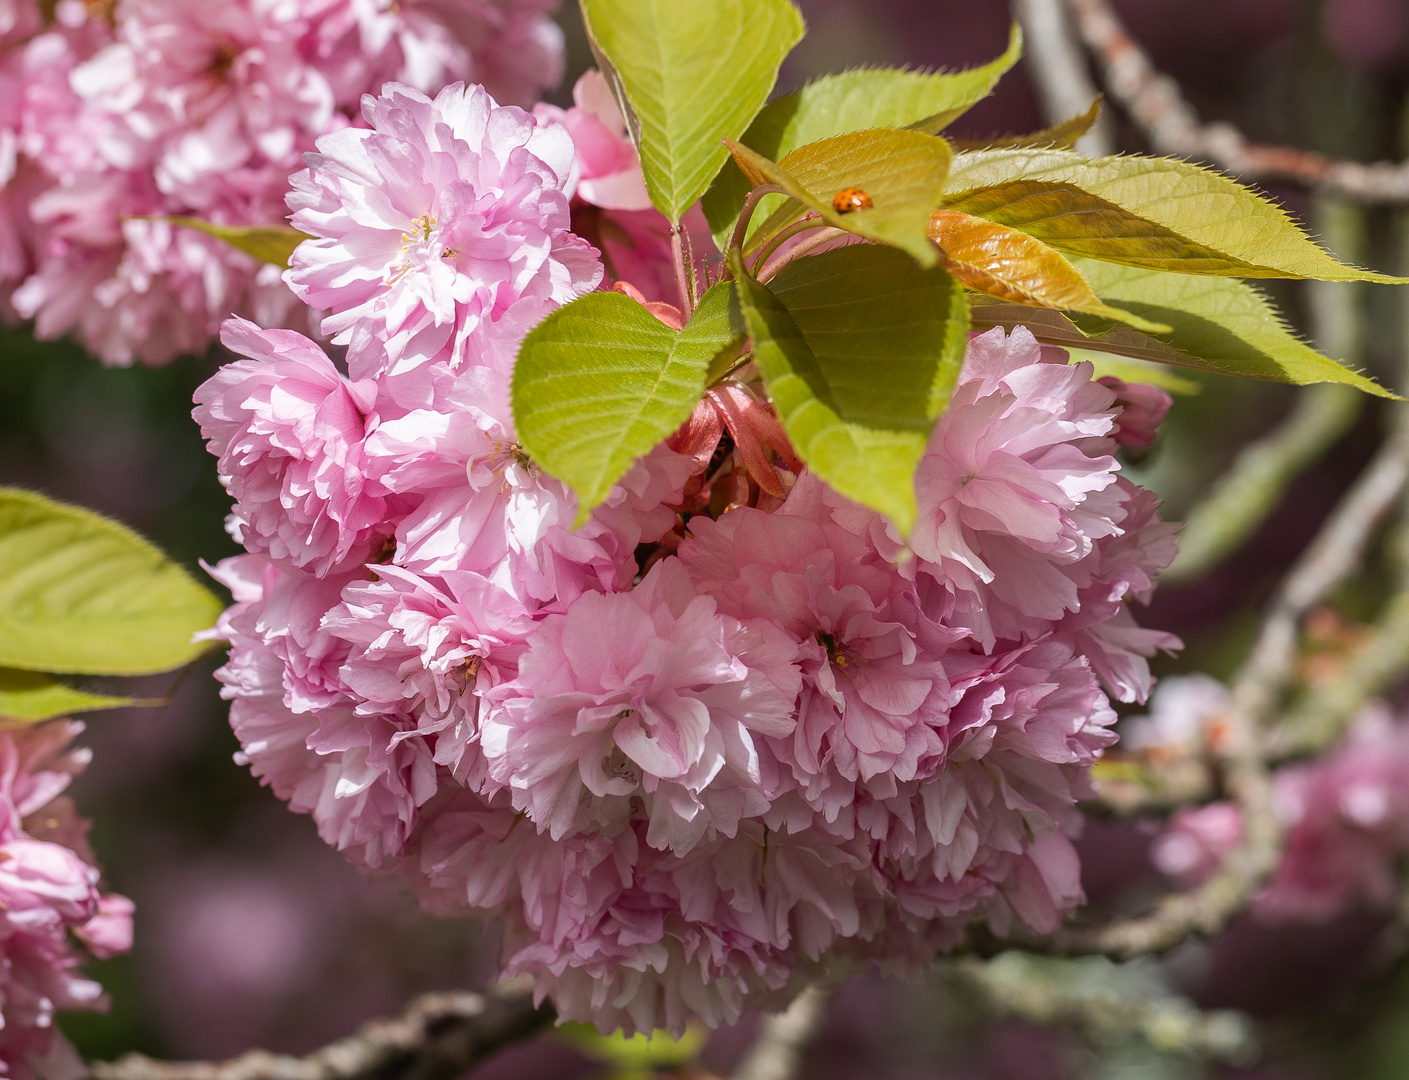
(782, 1040)
(438, 1038)
(1373, 666)
(1254, 484)
(1105, 1001)
(1155, 103)
(1059, 71)
(1370, 669)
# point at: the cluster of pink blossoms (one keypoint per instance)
(690, 761)
(1346, 813)
(116, 115)
(52, 913)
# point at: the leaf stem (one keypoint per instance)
(741, 228)
(806, 247)
(782, 236)
(677, 252)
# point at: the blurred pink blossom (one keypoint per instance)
(49, 897)
(203, 108)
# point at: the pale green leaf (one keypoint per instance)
(273, 244)
(1061, 136)
(902, 172)
(84, 595)
(1219, 325)
(1227, 325)
(1055, 328)
(694, 74)
(859, 349)
(639, 1053)
(1193, 220)
(29, 697)
(853, 101)
(601, 381)
(1128, 369)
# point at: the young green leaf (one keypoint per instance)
(638, 1055)
(84, 595)
(694, 75)
(29, 697)
(599, 382)
(1226, 325)
(1053, 328)
(1130, 370)
(901, 172)
(859, 349)
(1218, 325)
(1151, 212)
(1080, 223)
(853, 101)
(273, 244)
(1061, 136)
(1011, 265)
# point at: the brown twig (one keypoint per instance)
(438, 1038)
(1155, 103)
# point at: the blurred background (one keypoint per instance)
(251, 932)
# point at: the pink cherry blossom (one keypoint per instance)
(441, 216)
(689, 757)
(290, 433)
(649, 696)
(1142, 410)
(49, 896)
(610, 176)
(875, 691)
(204, 109)
(1344, 813)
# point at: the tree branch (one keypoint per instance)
(1254, 484)
(1104, 1001)
(1058, 70)
(1155, 103)
(439, 1037)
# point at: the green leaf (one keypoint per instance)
(273, 244)
(601, 381)
(1218, 325)
(28, 697)
(1226, 325)
(902, 171)
(859, 349)
(638, 1054)
(1151, 212)
(84, 595)
(1061, 136)
(1130, 370)
(853, 101)
(694, 74)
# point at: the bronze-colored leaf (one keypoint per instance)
(1013, 266)
(1079, 223)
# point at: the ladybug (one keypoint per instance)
(851, 199)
